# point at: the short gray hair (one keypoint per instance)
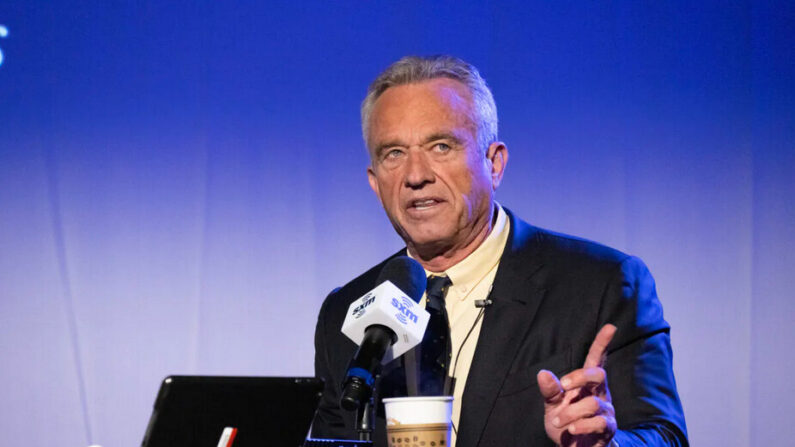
(413, 69)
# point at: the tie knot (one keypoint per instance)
(437, 286)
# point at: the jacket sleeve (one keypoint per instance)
(640, 362)
(328, 421)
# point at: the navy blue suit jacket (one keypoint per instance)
(551, 295)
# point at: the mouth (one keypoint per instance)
(423, 204)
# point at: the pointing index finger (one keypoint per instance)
(598, 352)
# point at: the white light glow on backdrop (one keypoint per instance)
(3, 33)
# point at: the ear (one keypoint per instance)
(497, 154)
(374, 183)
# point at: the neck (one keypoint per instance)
(437, 260)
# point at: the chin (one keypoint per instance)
(427, 238)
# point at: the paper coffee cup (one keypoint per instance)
(422, 421)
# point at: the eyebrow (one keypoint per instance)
(443, 136)
(433, 137)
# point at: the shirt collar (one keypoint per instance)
(474, 267)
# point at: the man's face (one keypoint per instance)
(434, 182)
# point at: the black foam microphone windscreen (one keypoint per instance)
(406, 274)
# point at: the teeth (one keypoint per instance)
(424, 203)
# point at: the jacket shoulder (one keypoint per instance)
(564, 255)
(526, 237)
(572, 248)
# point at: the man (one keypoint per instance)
(560, 307)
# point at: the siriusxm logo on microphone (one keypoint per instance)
(367, 300)
(404, 306)
(386, 305)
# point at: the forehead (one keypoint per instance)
(413, 111)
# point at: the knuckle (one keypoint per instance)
(597, 375)
(593, 404)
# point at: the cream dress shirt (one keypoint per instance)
(472, 279)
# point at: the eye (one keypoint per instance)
(391, 154)
(441, 147)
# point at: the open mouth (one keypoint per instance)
(423, 204)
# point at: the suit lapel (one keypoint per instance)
(516, 297)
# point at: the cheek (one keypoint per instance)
(475, 179)
(477, 190)
(390, 195)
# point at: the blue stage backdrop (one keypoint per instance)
(182, 183)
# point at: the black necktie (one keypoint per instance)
(435, 350)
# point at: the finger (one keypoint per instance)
(603, 425)
(598, 352)
(549, 386)
(590, 378)
(583, 409)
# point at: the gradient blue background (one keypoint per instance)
(181, 183)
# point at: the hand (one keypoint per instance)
(577, 409)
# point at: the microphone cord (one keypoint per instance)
(460, 347)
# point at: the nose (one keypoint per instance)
(418, 170)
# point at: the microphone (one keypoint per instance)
(386, 322)
(482, 304)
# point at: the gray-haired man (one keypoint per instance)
(562, 307)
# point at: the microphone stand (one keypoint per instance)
(365, 417)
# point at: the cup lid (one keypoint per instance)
(417, 399)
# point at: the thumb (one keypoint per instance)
(549, 386)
